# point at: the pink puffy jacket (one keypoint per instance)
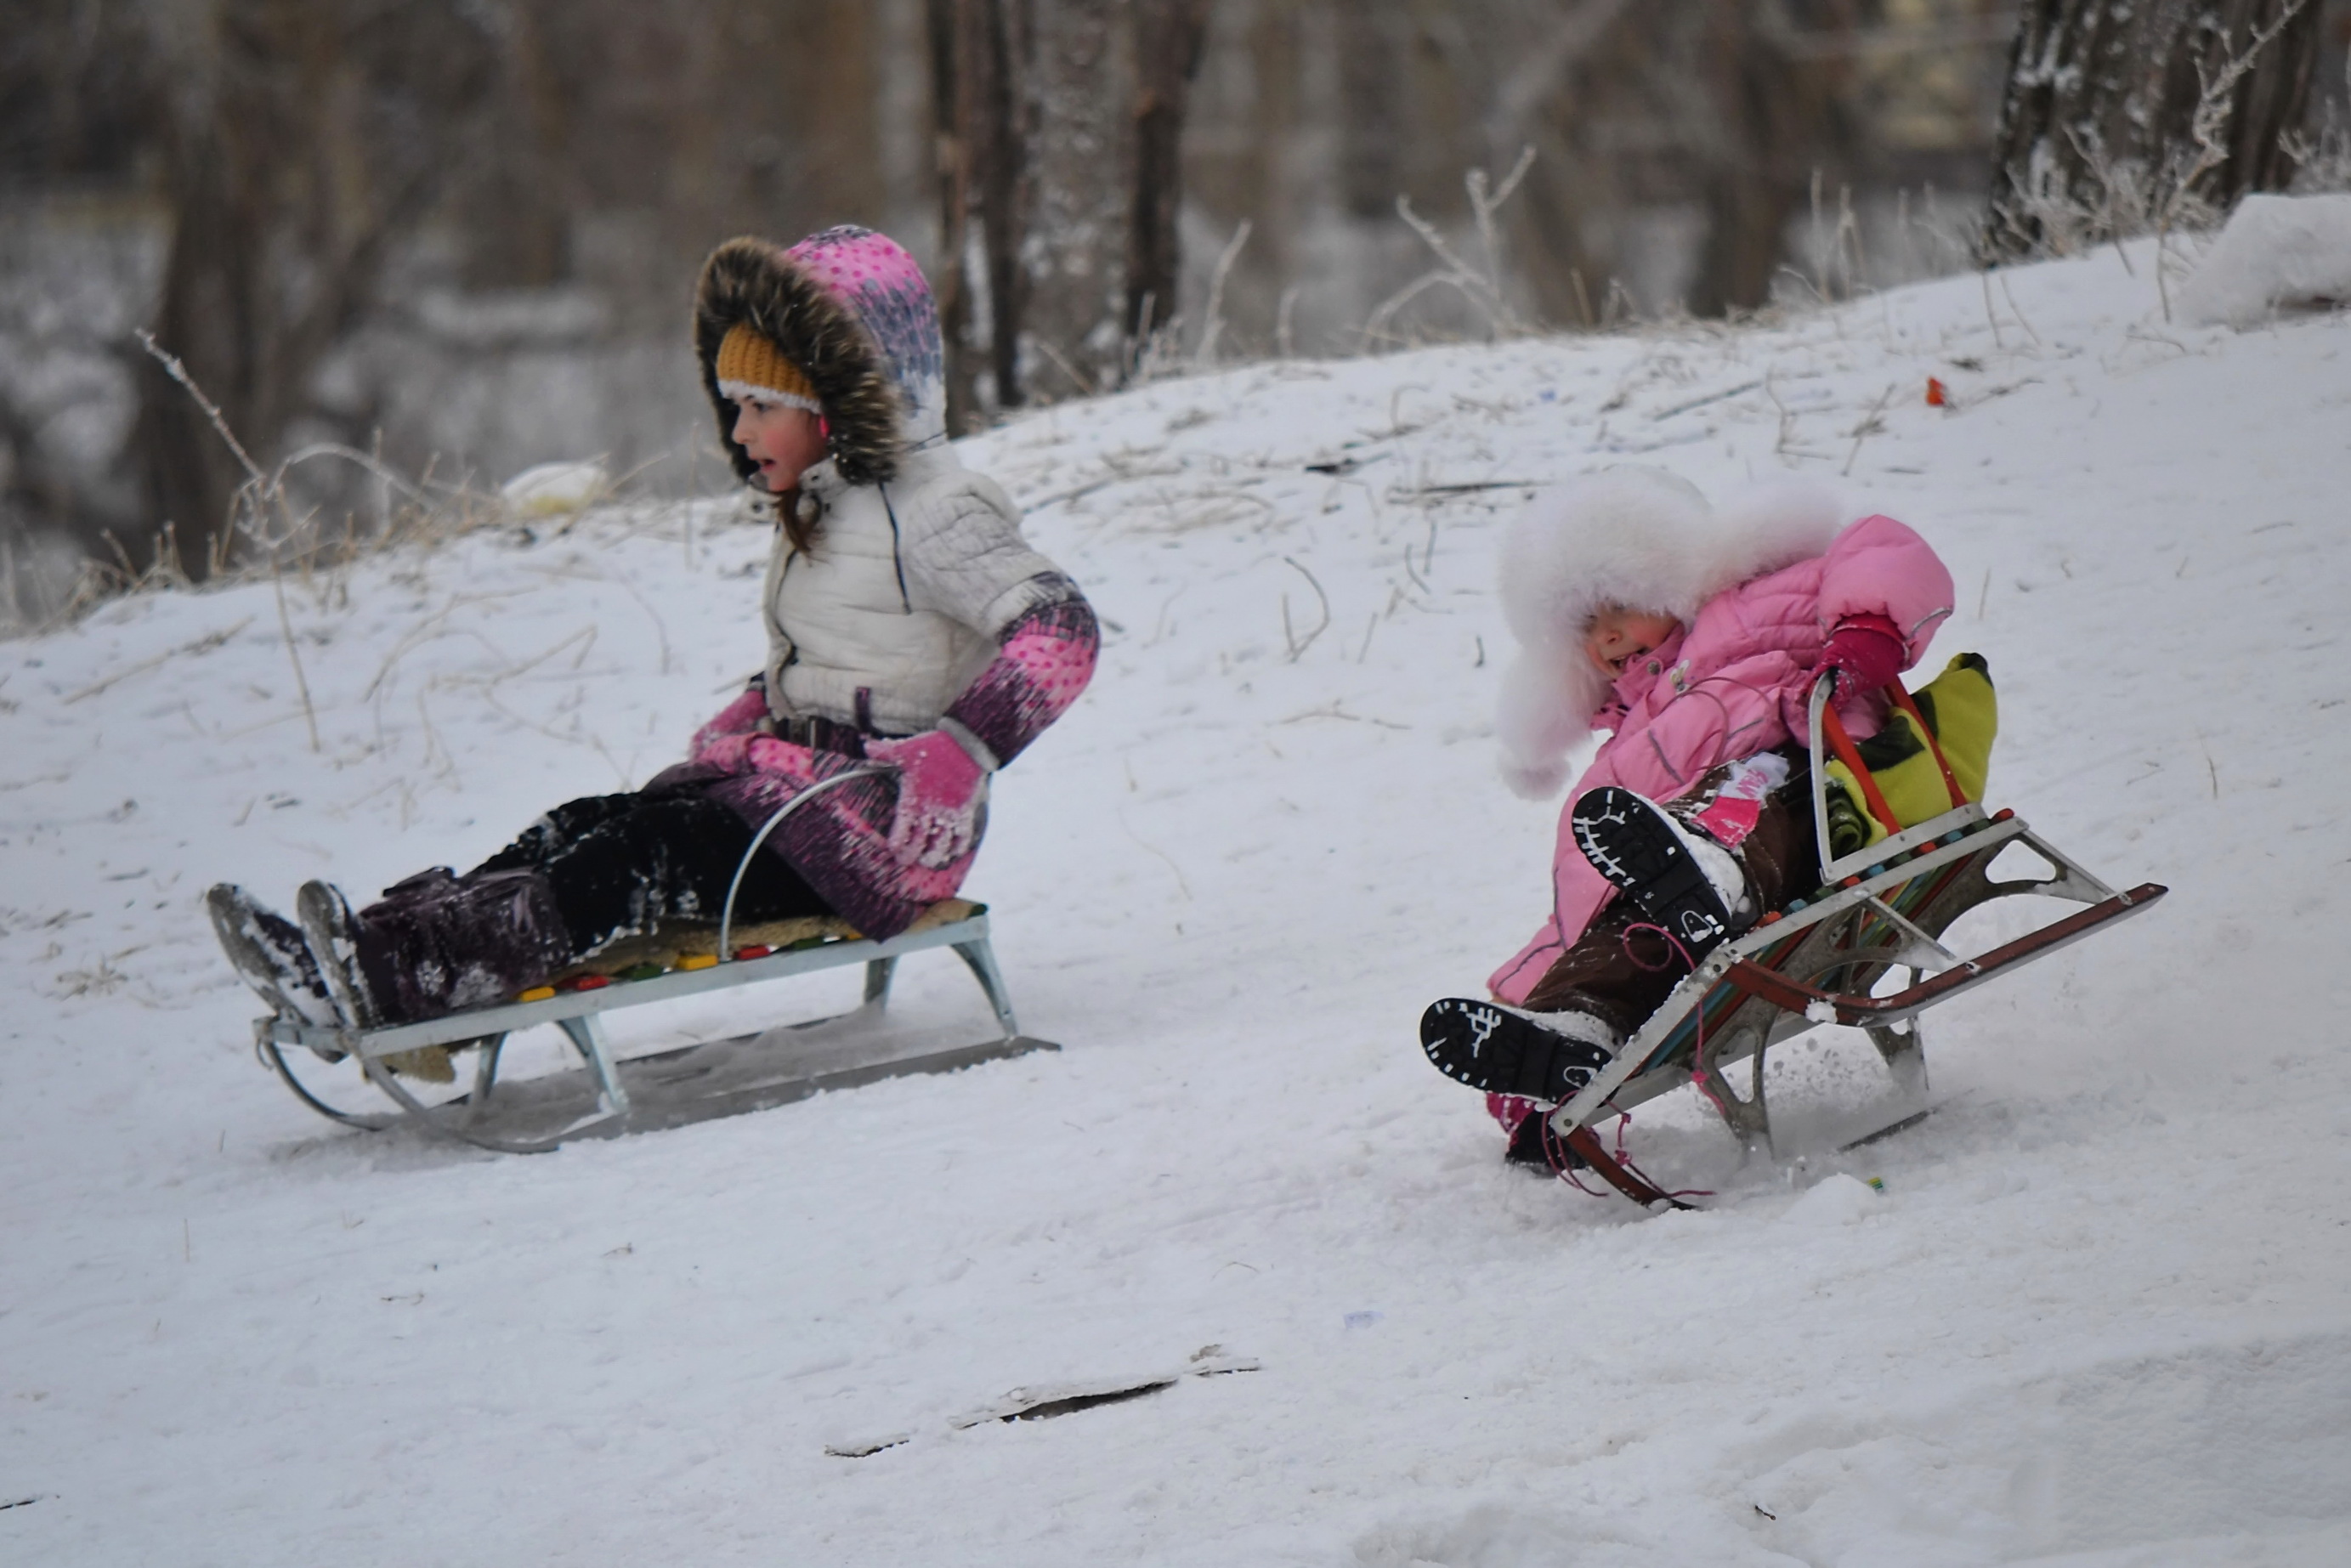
(1731, 684)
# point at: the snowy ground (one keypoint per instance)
(2098, 1316)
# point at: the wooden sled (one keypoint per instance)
(1879, 912)
(608, 1095)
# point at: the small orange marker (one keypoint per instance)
(698, 961)
(1934, 393)
(537, 994)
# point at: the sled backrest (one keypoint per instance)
(1838, 763)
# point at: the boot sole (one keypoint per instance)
(325, 926)
(1491, 1048)
(245, 954)
(1630, 843)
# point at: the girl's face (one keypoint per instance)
(784, 442)
(1616, 636)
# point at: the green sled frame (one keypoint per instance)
(609, 1095)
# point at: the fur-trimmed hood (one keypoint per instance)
(851, 309)
(1630, 536)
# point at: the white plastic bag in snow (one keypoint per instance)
(2277, 253)
(555, 487)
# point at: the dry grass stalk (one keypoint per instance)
(1296, 649)
(1483, 289)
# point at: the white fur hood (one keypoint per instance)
(1631, 536)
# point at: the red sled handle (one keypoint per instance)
(1848, 1007)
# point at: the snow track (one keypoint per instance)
(2096, 1315)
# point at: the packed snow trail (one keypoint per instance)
(2097, 1316)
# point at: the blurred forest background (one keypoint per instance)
(457, 238)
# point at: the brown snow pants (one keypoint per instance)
(1621, 969)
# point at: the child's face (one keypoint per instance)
(1616, 636)
(784, 442)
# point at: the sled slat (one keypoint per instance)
(507, 1017)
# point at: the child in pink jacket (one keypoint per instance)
(1693, 639)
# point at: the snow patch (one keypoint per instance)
(2232, 1441)
(2277, 253)
(1839, 1199)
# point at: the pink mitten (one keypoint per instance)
(938, 798)
(1865, 651)
(737, 722)
(787, 759)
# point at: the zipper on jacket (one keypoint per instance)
(897, 561)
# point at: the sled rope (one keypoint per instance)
(1617, 1168)
(1909, 704)
(1832, 726)
(1841, 741)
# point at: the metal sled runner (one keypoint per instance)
(609, 1095)
(1880, 913)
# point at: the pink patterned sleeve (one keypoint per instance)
(1044, 658)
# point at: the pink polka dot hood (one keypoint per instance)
(852, 310)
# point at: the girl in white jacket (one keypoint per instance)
(911, 631)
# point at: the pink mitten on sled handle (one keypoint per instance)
(1865, 651)
(940, 788)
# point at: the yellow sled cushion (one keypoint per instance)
(1962, 712)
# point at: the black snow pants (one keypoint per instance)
(586, 874)
(620, 863)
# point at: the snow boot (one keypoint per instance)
(334, 934)
(1545, 1056)
(1533, 1145)
(1689, 887)
(268, 954)
(435, 944)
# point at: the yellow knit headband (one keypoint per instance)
(752, 369)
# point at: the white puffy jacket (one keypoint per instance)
(898, 605)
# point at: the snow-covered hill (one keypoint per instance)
(2097, 1315)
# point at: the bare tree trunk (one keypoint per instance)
(2114, 116)
(847, 179)
(949, 280)
(1545, 64)
(1081, 156)
(1374, 105)
(517, 209)
(980, 56)
(1776, 124)
(1066, 169)
(998, 52)
(1168, 37)
(285, 189)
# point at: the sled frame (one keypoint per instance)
(1880, 910)
(471, 1118)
